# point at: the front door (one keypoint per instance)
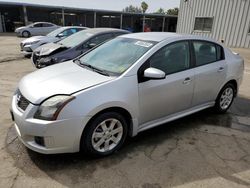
(160, 98)
(37, 29)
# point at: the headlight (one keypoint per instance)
(50, 108)
(45, 60)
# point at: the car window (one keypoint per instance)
(69, 32)
(38, 25)
(76, 39)
(101, 38)
(47, 25)
(119, 33)
(172, 58)
(207, 52)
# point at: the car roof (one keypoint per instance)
(104, 30)
(68, 27)
(162, 36)
(43, 22)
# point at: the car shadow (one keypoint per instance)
(72, 169)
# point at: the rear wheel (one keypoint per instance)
(225, 98)
(26, 34)
(105, 134)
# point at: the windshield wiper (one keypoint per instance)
(95, 69)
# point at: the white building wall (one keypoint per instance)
(231, 20)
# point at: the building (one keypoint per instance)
(13, 15)
(223, 20)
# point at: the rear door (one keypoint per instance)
(210, 71)
(47, 28)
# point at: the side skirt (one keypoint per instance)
(173, 117)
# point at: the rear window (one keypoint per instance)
(207, 52)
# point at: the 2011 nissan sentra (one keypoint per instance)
(127, 85)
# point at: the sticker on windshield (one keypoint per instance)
(143, 44)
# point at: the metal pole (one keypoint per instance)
(4, 27)
(85, 20)
(166, 24)
(143, 23)
(163, 24)
(63, 18)
(94, 19)
(121, 21)
(110, 21)
(1, 27)
(25, 15)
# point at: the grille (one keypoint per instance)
(22, 102)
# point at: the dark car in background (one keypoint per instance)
(73, 46)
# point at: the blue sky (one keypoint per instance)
(105, 4)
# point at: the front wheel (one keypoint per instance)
(105, 134)
(225, 98)
(26, 34)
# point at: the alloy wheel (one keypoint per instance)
(226, 98)
(107, 135)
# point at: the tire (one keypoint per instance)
(26, 34)
(106, 141)
(27, 55)
(228, 92)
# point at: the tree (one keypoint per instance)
(132, 9)
(160, 11)
(173, 11)
(144, 6)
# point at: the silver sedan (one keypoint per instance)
(125, 86)
(37, 28)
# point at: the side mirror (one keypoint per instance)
(91, 45)
(154, 74)
(60, 35)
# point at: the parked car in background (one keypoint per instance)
(30, 44)
(122, 87)
(73, 46)
(37, 28)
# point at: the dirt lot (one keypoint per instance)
(201, 150)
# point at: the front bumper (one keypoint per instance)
(60, 136)
(18, 33)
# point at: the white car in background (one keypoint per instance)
(29, 45)
(37, 28)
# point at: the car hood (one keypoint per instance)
(63, 78)
(47, 49)
(20, 28)
(38, 38)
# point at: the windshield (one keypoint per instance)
(56, 32)
(117, 55)
(76, 39)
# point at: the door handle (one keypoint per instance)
(186, 81)
(220, 69)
